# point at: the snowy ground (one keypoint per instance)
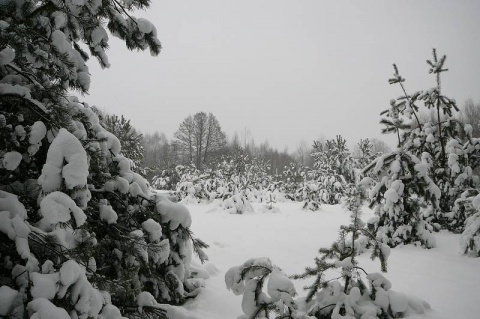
(291, 237)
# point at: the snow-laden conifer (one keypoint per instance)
(421, 180)
(332, 174)
(82, 233)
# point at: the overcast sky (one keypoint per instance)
(288, 70)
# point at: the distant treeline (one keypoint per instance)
(201, 141)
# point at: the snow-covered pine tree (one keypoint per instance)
(82, 234)
(167, 179)
(130, 140)
(190, 188)
(404, 199)
(237, 183)
(365, 153)
(470, 240)
(466, 215)
(309, 194)
(293, 175)
(451, 161)
(345, 296)
(451, 169)
(348, 296)
(237, 180)
(430, 169)
(333, 169)
(404, 187)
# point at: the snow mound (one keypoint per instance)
(65, 147)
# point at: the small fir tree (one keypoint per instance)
(333, 169)
(294, 176)
(346, 296)
(130, 140)
(470, 239)
(430, 169)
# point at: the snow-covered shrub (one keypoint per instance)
(294, 177)
(236, 182)
(193, 184)
(334, 169)
(309, 194)
(245, 180)
(273, 194)
(249, 280)
(237, 203)
(470, 240)
(269, 200)
(461, 210)
(82, 234)
(167, 179)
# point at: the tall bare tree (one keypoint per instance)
(199, 138)
(470, 114)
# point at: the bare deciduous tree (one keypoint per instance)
(470, 114)
(199, 138)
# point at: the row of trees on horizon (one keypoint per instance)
(200, 140)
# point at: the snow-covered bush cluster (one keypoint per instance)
(239, 180)
(235, 182)
(334, 174)
(82, 235)
(167, 179)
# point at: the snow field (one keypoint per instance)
(291, 238)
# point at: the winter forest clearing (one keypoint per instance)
(100, 221)
(291, 236)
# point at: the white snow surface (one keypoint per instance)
(291, 237)
(11, 160)
(175, 213)
(57, 206)
(7, 296)
(6, 56)
(10, 203)
(65, 147)
(37, 132)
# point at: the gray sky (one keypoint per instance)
(288, 70)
